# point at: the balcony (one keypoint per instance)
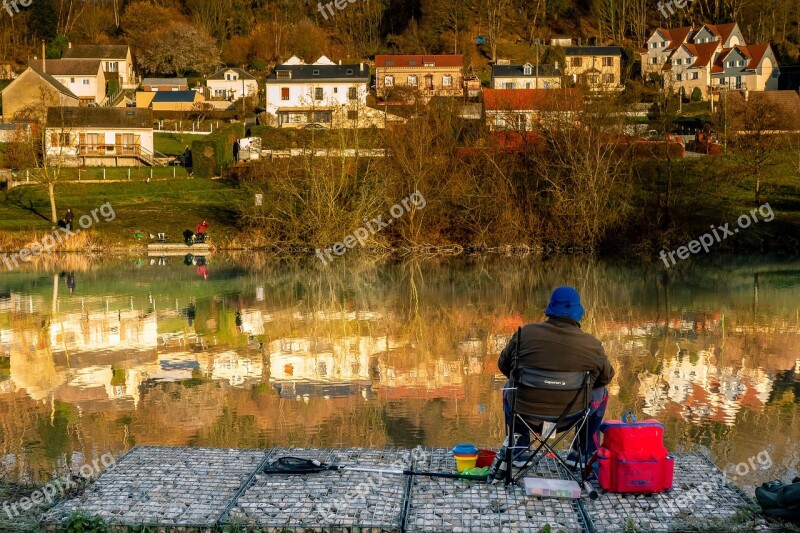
(111, 150)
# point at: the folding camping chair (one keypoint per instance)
(574, 416)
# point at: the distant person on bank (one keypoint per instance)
(68, 218)
(558, 344)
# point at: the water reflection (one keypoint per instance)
(272, 352)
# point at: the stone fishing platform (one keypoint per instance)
(191, 489)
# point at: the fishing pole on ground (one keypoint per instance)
(297, 465)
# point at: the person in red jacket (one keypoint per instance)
(200, 231)
(559, 345)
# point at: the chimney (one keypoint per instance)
(340, 61)
(44, 59)
(361, 66)
(69, 45)
(746, 95)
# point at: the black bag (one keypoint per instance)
(780, 500)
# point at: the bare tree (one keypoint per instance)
(495, 13)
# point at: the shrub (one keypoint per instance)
(215, 152)
(697, 94)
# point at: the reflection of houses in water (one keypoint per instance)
(706, 391)
(301, 367)
(231, 367)
(438, 378)
(103, 330)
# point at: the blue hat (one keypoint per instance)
(566, 303)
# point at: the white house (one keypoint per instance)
(526, 76)
(322, 93)
(99, 136)
(116, 60)
(83, 77)
(230, 84)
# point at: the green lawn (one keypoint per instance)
(169, 206)
(173, 143)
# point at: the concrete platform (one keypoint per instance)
(200, 488)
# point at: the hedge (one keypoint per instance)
(214, 153)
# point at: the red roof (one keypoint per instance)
(442, 60)
(532, 99)
(722, 30)
(756, 53)
(677, 36)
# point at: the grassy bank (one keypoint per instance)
(160, 206)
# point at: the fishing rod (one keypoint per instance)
(298, 465)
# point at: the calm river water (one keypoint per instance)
(100, 356)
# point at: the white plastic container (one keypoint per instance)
(552, 488)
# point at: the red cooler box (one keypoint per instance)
(633, 458)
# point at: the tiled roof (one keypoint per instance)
(220, 74)
(69, 67)
(99, 117)
(174, 96)
(305, 73)
(518, 71)
(96, 51)
(723, 31)
(54, 82)
(592, 50)
(441, 60)
(532, 99)
(165, 81)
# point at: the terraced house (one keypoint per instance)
(709, 58)
(430, 75)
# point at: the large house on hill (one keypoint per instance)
(709, 58)
(322, 93)
(597, 67)
(116, 60)
(526, 76)
(431, 75)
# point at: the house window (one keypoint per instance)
(527, 85)
(429, 64)
(679, 77)
(390, 62)
(228, 77)
(654, 61)
(577, 62)
(447, 81)
(653, 45)
(319, 94)
(412, 80)
(527, 70)
(349, 72)
(412, 62)
(695, 75)
(335, 90)
(593, 80)
(352, 93)
(741, 63)
(60, 139)
(509, 85)
(352, 115)
(664, 44)
(679, 61)
(72, 80)
(388, 81)
(284, 93)
(283, 74)
(85, 81)
(315, 72)
(547, 85)
(723, 81)
(608, 61)
(608, 78)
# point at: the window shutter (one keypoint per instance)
(119, 143)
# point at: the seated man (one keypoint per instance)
(558, 344)
(200, 231)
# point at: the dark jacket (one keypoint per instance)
(558, 345)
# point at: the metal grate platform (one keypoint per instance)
(452, 505)
(329, 501)
(162, 485)
(701, 500)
